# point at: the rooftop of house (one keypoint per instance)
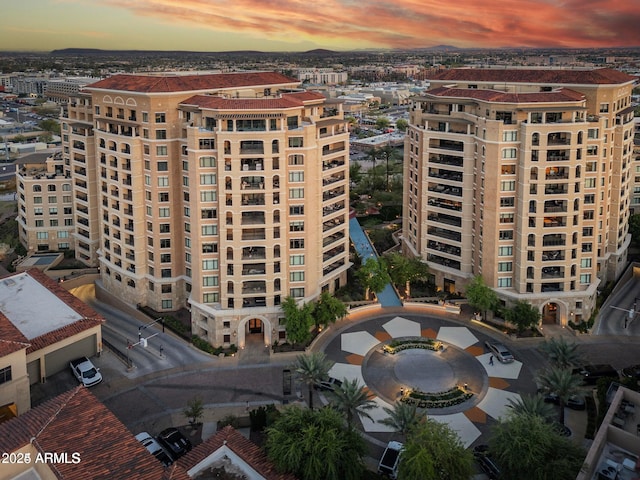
(601, 76)
(76, 422)
(560, 95)
(191, 83)
(41, 310)
(286, 100)
(230, 449)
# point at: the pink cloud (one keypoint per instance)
(410, 23)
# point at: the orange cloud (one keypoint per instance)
(410, 23)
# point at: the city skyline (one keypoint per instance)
(211, 25)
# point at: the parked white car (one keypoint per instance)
(85, 371)
(500, 352)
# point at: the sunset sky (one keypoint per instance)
(296, 25)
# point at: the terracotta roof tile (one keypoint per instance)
(77, 422)
(190, 83)
(554, 76)
(287, 100)
(11, 339)
(561, 95)
(241, 446)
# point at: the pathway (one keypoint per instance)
(388, 297)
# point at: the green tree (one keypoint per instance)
(352, 400)
(402, 124)
(312, 369)
(404, 270)
(561, 382)
(523, 315)
(328, 309)
(389, 154)
(634, 228)
(433, 451)
(402, 417)
(532, 405)
(194, 410)
(315, 445)
(527, 446)
(298, 320)
(374, 275)
(561, 353)
(481, 296)
(19, 139)
(373, 154)
(50, 125)
(355, 173)
(45, 137)
(382, 123)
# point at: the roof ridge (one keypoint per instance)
(72, 394)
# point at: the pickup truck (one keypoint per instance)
(85, 371)
(390, 460)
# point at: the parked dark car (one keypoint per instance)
(632, 372)
(328, 385)
(174, 442)
(486, 462)
(575, 402)
(154, 448)
(592, 373)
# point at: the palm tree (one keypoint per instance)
(531, 405)
(561, 382)
(351, 399)
(312, 369)
(402, 417)
(561, 353)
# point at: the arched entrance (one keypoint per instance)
(254, 332)
(550, 313)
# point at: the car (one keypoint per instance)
(85, 371)
(592, 373)
(390, 460)
(328, 385)
(154, 448)
(575, 402)
(486, 462)
(500, 352)
(174, 442)
(631, 372)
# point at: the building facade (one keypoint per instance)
(223, 194)
(523, 177)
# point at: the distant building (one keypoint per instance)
(524, 177)
(59, 90)
(321, 76)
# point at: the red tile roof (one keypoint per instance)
(287, 100)
(561, 95)
(77, 422)
(600, 76)
(11, 339)
(191, 83)
(248, 451)
(90, 319)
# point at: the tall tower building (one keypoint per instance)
(220, 193)
(523, 177)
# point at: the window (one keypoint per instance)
(296, 210)
(296, 292)
(509, 152)
(163, 212)
(296, 260)
(510, 136)
(39, 223)
(210, 281)
(163, 181)
(296, 193)
(296, 159)
(211, 298)
(504, 282)
(296, 226)
(506, 234)
(165, 243)
(161, 150)
(592, 133)
(506, 217)
(505, 266)
(508, 186)
(585, 278)
(208, 196)
(42, 235)
(296, 243)
(165, 228)
(208, 179)
(207, 162)
(209, 229)
(505, 251)
(52, 199)
(507, 201)
(210, 264)
(5, 374)
(161, 134)
(160, 117)
(296, 142)
(296, 276)
(163, 196)
(296, 176)
(589, 183)
(66, 187)
(585, 263)
(167, 304)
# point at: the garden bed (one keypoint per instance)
(424, 343)
(448, 398)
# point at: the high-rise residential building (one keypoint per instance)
(523, 177)
(223, 194)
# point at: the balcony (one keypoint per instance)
(445, 174)
(558, 139)
(556, 189)
(552, 272)
(331, 224)
(253, 234)
(443, 247)
(332, 179)
(446, 160)
(254, 287)
(254, 269)
(328, 195)
(446, 145)
(254, 253)
(250, 164)
(555, 173)
(253, 199)
(553, 241)
(447, 262)
(446, 219)
(553, 255)
(558, 155)
(552, 222)
(444, 233)
(443, 203)
(555, 206)
(334, 266)
(336, 207)
(254, 302)
(333, 164)
(253, 218)
(445, 189)
(252, 183)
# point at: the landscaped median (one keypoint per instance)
(397, 345)
(448, 398)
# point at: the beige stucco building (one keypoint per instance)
(222, 193)
(523, 177)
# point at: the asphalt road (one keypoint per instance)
(121, 330)
(614, 317)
